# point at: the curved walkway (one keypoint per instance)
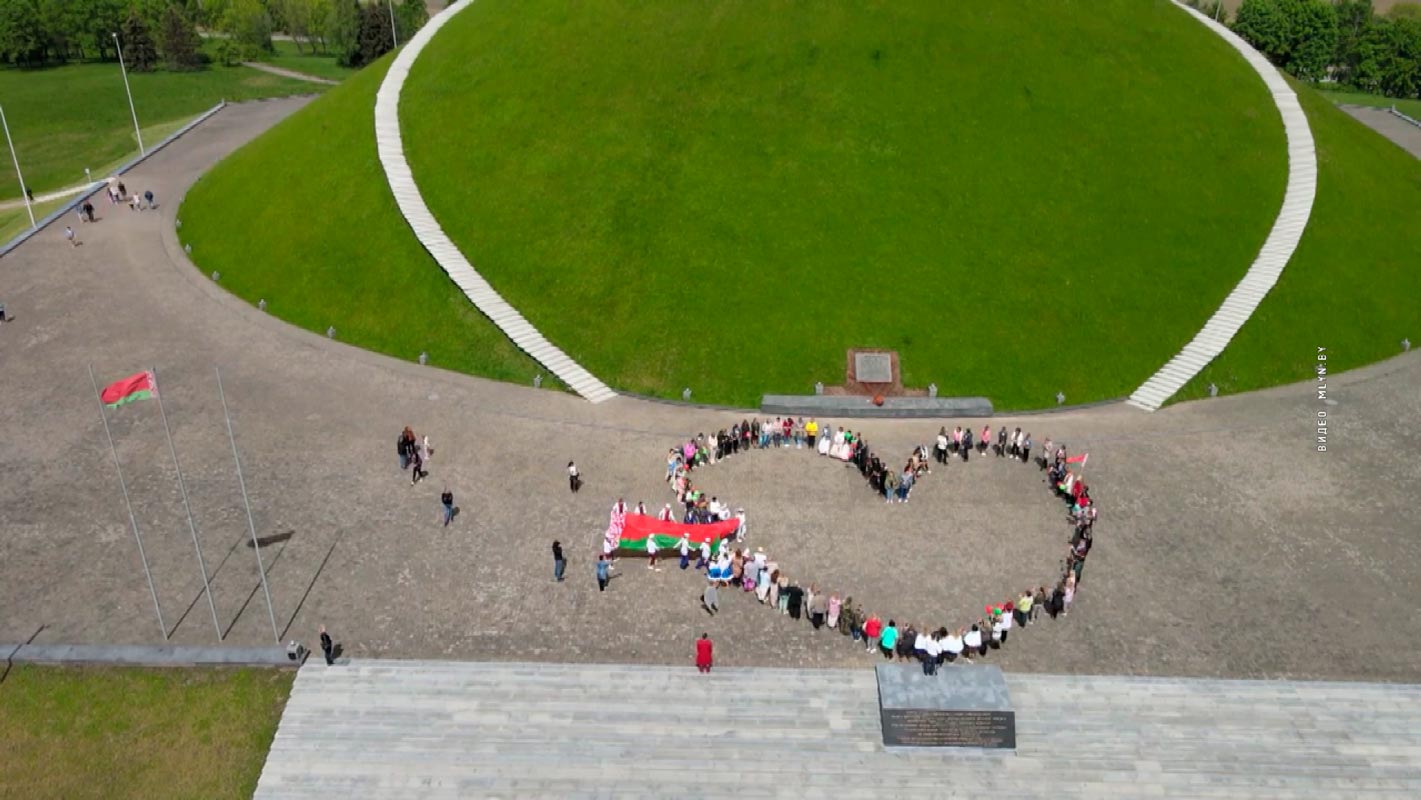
(1212, 507)
(1277, 248)
(390, 144)
(289, 73)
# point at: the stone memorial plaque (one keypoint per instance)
(961, 706)
(873, 367)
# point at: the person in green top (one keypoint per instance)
(889, 640)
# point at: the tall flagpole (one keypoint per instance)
(124, 69)
(251, 525)
(191, 524)
(131, 518)
(394, 37)
(23, 191)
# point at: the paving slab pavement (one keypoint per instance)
(1228, 546)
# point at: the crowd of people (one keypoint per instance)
(732, 566)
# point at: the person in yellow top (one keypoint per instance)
(811, 429)
(1023, 607)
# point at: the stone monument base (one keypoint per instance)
(964, 705)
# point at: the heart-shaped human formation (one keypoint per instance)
(704, 528)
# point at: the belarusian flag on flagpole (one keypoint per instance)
(126, 390)
(1080, 459)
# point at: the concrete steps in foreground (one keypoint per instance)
(422, 729)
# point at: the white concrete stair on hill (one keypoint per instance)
(1277, 248)
(389, 143)
(422, 729)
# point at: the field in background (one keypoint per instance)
(64, 119)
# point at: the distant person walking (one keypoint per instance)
(710, 598)
(603, 573)
(574, 478)
(69, 234)
(328, 647)
(416, 466)
(704, 653)
(559, 563)
(148, 197)
(446, 502)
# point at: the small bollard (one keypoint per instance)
(423, 358)
(686, 394)
(538, 381)
(216, 276)
(819, 387)
(187, 248)
(1405, 345)
(932, 390)
(180, 224)
(1213, 390)
(261, 304)
(331, 332)
(1060, 398)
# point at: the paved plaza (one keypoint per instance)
(1227, 546)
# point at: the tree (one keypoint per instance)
(1354, 19)
(97, 22)
(138, 51)
(1313, 39)
(23, 38)
(375, 38)
(180, 41)
(410, 16)
(246, 21)
(343, 31)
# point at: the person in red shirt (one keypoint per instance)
(703, 653)
(872, 627)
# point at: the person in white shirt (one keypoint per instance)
(973, 641)
(705, 556)
(1007, 615)
(931, 654)
(920, 649)
(685, 551)
(996, 630)
(941, 453)
(651, 552)
(714, 508)
(742, 526)
(641, 508)
(952, 646)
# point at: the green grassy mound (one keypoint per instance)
(92, 732)
(1353, 283)
(330, 248)
(1019, 199)
(64, 119)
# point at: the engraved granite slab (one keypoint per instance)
(961, 706)
(873, 367)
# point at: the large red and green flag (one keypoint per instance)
(639, 527)
(126, 390)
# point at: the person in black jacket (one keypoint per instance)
(327, 647)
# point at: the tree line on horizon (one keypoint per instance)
(164, 33)
(1345, 42)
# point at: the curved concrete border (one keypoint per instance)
(1277, 249)
(390, 145)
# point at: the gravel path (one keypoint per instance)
(1228, 546)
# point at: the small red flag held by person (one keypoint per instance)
(135, 387)
(1080, 459)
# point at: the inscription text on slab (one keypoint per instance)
(927, 727)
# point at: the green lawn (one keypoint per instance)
(331, 248)
(1411, 108)
(1353, 283)
(1019, 200)
(64, 119)
(137, 733)
(14, 221)
(320, 65)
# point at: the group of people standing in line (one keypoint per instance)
(771, 585)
